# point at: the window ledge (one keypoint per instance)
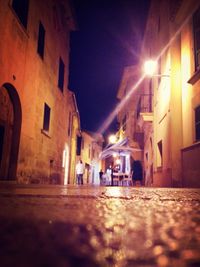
(195, 77)
(45, 133)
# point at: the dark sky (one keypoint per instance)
(108, 39)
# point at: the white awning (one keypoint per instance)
(122, 148)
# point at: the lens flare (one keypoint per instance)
(117, 109)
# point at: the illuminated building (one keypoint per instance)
(129, 132)
(171, 38)
(165, 108)
(74, 133)
(34, 95)
(91, 147)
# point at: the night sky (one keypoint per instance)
(108, 38)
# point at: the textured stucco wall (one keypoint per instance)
(35, 80)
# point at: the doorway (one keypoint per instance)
(10, 127)
(2, 130)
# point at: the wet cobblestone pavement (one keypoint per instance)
(99, 226)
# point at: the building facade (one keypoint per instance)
(163, 113)
(129, 130)
(34, 95)
(172, 143)
(74, 133)
(91, 147)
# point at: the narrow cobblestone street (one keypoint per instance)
(99, 226)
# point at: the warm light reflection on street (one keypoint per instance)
(104, 226)
(114, 192)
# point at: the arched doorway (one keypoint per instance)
(10, 127)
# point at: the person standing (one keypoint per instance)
(101, 177)
(80, 168)
(137, 172)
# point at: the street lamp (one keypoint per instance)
(112, 139)
(150, 67)
(118, 161)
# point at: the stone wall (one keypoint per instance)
(35, 81)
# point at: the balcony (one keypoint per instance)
(145, 109)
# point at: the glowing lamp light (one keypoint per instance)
(114, 155)
(150, 67)
(118, 161)
(112, 139)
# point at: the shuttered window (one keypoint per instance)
(197, 123)
(21, 9)
(196, 26)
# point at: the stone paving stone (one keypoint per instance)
(99, 226)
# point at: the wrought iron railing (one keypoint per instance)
(145, 104)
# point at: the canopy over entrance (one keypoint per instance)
(122, 148)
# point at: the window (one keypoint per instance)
(69, 124)
(61, 74)
(82, 146)
(2, 132)
(21, 9)
(160, 154)
(149, 109)
(41, 40)
(46, 120)
(139, 107)
(78, 145)
(196, 26)
(197, 123)
(151, 142)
